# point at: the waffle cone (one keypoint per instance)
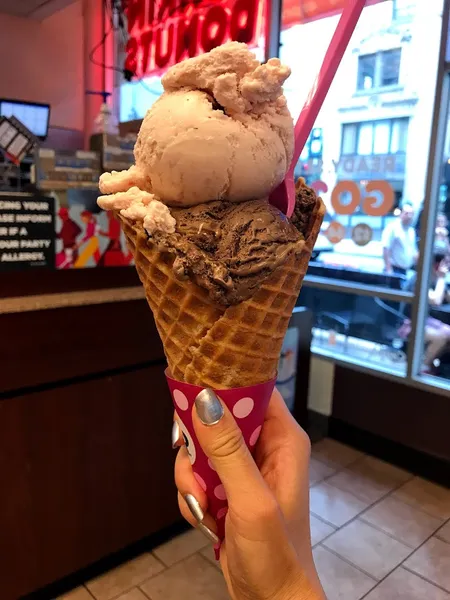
(213, 345)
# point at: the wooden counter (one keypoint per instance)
(86, 463)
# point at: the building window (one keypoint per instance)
(379, 70)
(403, 10)
(388, 136)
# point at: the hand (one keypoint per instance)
(267, 553)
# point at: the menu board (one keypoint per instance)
(27, 232)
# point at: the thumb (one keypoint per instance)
(221, 439)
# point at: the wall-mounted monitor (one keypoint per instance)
(33, 115)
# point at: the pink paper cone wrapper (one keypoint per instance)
(248, 405)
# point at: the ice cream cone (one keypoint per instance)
(214, 345)
(232, 349)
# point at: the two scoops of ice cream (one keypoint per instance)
(208, 154)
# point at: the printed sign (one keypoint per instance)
(27, 232)
(335, 232)
(87, 236)
(362, 234)
(15, 139)
(164, 32)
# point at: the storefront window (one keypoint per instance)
(371, 171)
(374, 127)
(436, 328)
(359, 327)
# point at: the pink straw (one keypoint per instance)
(283, 197)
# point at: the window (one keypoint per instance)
(379, 70)
(390, 67)
(366, 71)
(435, 354)
(355, 326)
(375, 137)
(375, 157)
(403, 10)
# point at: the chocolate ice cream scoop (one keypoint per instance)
(230, 249)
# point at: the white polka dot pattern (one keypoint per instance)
(200, 481)
(219, 492)
(255, 435)
(243, 407)
(180, 400)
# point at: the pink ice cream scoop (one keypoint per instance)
(220, 131)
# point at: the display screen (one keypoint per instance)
(35, 117)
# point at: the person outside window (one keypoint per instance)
(400, 250)
(437, 333)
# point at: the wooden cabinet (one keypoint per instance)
(86, 465)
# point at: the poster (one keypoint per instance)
(287, 366)
(27, 231)
(87, 236)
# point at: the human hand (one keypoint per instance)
(267, 553)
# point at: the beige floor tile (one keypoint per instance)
(334, 453)
(134, 594)
(404, 522)
(125, 577)
(432, 561)
(192, 578)
(404, 585)
(319, 530)
(319, 470)
(208, 553)
(79, 593)
(444, 533)
(181, 547)
(369, 479)
(334, 505)
(340, 580)
(432, 498)
(369, 549)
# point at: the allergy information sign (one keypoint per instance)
(27, 232)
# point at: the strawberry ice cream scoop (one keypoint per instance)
(220, 131)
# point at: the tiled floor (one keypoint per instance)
(378, 532)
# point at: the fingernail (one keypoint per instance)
(198, 514)
(176, 435)
(208, 406)
(212, 537)
(194, 507)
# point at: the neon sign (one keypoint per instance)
(163, 32)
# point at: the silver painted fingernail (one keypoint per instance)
(176, 435)
(194, 507)
(212, 537)
(208, 406)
